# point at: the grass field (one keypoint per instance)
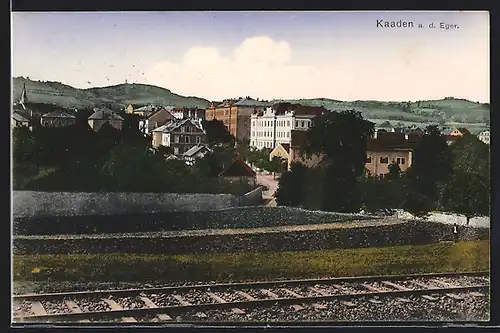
(442, 257)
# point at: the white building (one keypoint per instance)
(484, 137)
(270, 127)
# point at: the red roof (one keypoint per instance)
(238, 169)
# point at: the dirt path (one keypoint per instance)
(272, 184)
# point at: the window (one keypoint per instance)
(198, 139)
(398, 160)
(369, 159)
(296, 124)
(287, 134)
(182, 129)
(186, 139)
(288, 123)
(253, 123)
(403, 160)
(302, 124)
(384, 160)
(176, 150)
(176, 138)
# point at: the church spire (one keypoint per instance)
(24, 98)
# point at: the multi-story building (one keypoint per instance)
(236, 115)
(104, 115)
(159, 118)
(180, 135)
(57, 118)
(275, 124)
(484, 137)
(381, 151)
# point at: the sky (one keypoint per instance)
(269, 55)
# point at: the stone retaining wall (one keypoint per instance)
(405, 233)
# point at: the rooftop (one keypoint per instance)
(194, 150)
(238, 169)
(105, 114)
(58, 114)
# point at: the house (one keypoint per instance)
(18, 120)
(275, 124)
(157, 119)
(57, 118)
(195, 153)
(282, 150)
(105, 115)
(455, 134)
(484, 136)
(129, 109)
(388, 148)
(236, 114)
(381, 151)
(181, 135)
(239, 171)
(147, 110)
(193, 113)
(26, 109)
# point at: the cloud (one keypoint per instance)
(259, 67)
(264, 68)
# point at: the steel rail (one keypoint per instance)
(222, 286)
(240, 304)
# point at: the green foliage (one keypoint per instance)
(217, 133)
(467, 193)
(471, 155)
(290, 188)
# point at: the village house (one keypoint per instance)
(104, 115)
(239, 171)
(129, 109)
(282, 150)
(146, 110)
(484, 136)
(157, 119)
(275, 124)
(195, 153)
(25, 111)
(57, 118)
(381, 150)
(18, 120)
(180, 135)
(236, 114)
(455, 134)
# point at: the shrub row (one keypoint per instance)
(405, 233)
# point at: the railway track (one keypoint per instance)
(165, 304)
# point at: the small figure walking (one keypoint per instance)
(455, 233)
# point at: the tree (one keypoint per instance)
(469, 154)
(217, 133)
(394, 171)
(467, 193)
(275, 165)
(290, 186)
(341, 137)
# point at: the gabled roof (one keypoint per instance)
(251, 102)
(58, 114)
(105, 114)
(299, 109)
(194, 150)
(174, 124)
(18, 117)
(238, 169)
(147, 108)
(162, 112)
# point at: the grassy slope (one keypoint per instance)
(442, 257)
(67, 96)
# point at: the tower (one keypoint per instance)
(24, 97)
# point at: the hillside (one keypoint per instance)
(119, 96)
(451, 111)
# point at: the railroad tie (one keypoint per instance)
(150, 304)
(75, 309)
(375, 289)
(345, 290)
(449, 285)
(403, 288)
(296, 307)
(221, 300)
(425, 286)
(322, 293)
(186, 303)
(116, 307)
(245, 295)
(38, 308)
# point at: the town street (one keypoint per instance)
(266, 179)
